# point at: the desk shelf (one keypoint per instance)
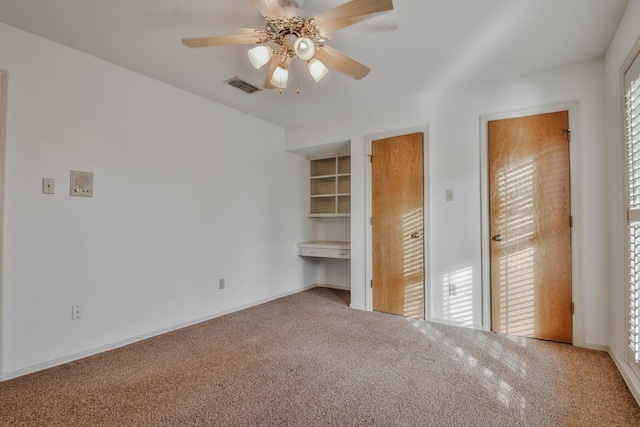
(325, 249)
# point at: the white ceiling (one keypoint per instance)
(437, 44)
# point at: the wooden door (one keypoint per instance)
(529, 196)
(398, 225)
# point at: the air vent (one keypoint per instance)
(242, 85)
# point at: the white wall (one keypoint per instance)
(453, 118)
(186, 192)
(335, 272)
(627, 35)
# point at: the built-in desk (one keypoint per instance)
(325, 249)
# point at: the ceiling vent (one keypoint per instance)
(242, 85)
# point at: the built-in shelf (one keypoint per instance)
(325, 249)
(329, 186)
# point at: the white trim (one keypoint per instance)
(628, 375)
(596, 347)
(577, 231)
(454, 323)
(626, 66)
(4, 93)
(631, 66)
(122, 343)
(426, 218)
(332, 286)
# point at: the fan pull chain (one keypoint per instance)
(297, 78)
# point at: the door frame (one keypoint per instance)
(4, 94)
(577, 289)
(369, 209)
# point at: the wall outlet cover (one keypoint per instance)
(76, 312)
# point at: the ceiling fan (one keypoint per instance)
(287, 36)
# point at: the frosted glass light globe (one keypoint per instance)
(304, 48)
(260, 55)
(280, 77)
(317, 69)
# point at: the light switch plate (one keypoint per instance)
(48, 186)
(81, 184)
(449, 195)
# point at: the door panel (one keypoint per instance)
(398, 214)
(529, 196)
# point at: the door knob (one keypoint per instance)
(416, 235)
(497, 237)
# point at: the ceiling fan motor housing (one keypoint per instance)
(295, 3)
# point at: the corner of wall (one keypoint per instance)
(629, 377)
(4, 86)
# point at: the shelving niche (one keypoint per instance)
(329, 186)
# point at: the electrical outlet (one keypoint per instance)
(76, 312)
(220, 283)
(453, 289)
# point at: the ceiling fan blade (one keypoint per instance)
(268, 8)
(340, 62)
(351, 13)
(375, 27)
(290, 12)
(235, 39)
(330, 27)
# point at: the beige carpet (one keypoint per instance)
(309, 360)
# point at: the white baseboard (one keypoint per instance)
(458, 324)
(633, 382)
(97, 350)
(330, 286)
(597, 347)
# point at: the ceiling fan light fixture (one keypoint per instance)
(280, 77)
(287, 35)
(317, 69)
(260, 55)
(304, 48)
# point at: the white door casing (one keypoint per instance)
(4, 88)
